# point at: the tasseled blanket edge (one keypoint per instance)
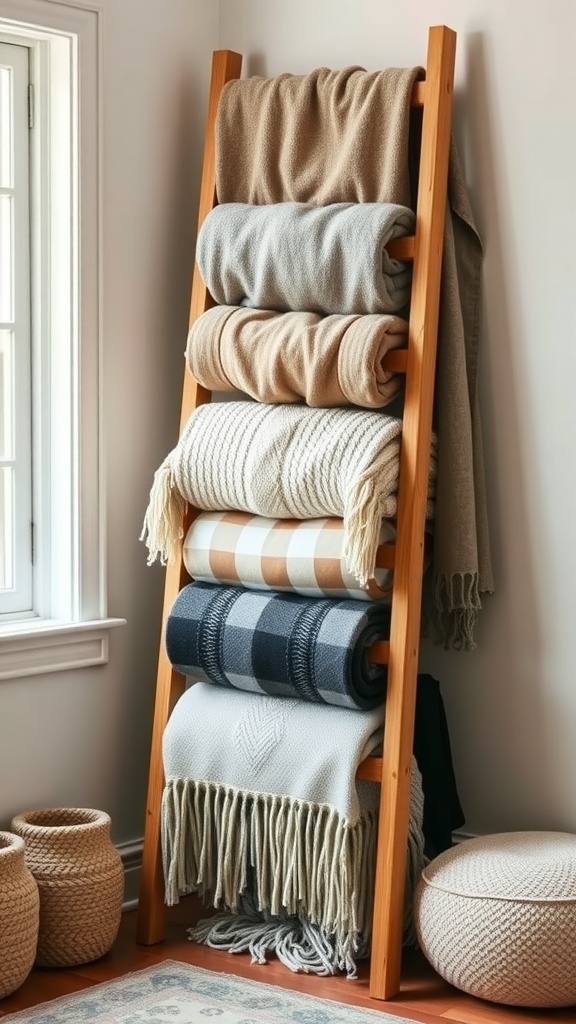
(301, 946)
(163, 528)
(304, 858)
(308, 901)
(457, 604)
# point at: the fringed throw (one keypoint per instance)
(262, 817)
(286, 462)
(304, 556)
(294, 256)
(282, 645)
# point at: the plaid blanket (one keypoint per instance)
(279, 644)
(305, 556)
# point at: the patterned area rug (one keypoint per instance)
(179, 993)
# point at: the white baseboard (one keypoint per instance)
(459, 836)
(131, 854)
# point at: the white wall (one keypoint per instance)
(82, 738)
(512, 704)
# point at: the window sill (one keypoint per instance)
(33, 647)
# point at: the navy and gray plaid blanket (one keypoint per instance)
(280, 644)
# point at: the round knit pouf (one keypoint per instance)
(80, 879)
(19, 906)
(496, 917)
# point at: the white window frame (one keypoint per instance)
(70, 626)
(15, 322)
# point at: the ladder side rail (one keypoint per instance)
(226, 65)
(412, 497)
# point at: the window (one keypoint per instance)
(52, 582)
(15, 364)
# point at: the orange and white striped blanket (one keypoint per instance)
(302, 556)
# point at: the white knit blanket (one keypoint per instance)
(287, 462)
(261, 799)
(296, 256)
(270, 745)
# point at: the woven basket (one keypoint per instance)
(80, 879)
(496, 917)
(19, 905)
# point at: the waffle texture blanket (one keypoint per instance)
(256, 808)
(303, 556)
(287, 357)
(286, 462)
(283, 645)
(343, 136)
(296, 256)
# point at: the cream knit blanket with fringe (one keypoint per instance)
(256, 806)
(287, 462)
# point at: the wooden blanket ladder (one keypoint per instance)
(405, 558)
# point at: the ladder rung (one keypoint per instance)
(380, 652)
(395, 361)
(401, 248)
(386, 556)
(418, 94)
(370, 770)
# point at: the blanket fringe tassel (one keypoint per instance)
(289, 877)
(371, 499)
(163, 523)
(457, 604)
(299, 945)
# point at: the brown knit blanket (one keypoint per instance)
(343, 136)
(287, 357)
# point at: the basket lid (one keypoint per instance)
(520, 866)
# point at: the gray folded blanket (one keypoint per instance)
(287, 357)
(296, 256)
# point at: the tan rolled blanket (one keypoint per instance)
(297, 256)
(286, 357)
(343, 136)
(286, 462)
(302, 556)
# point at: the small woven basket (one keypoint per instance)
(80, 879)
(19, 904)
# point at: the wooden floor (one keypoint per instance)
(424, 996)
